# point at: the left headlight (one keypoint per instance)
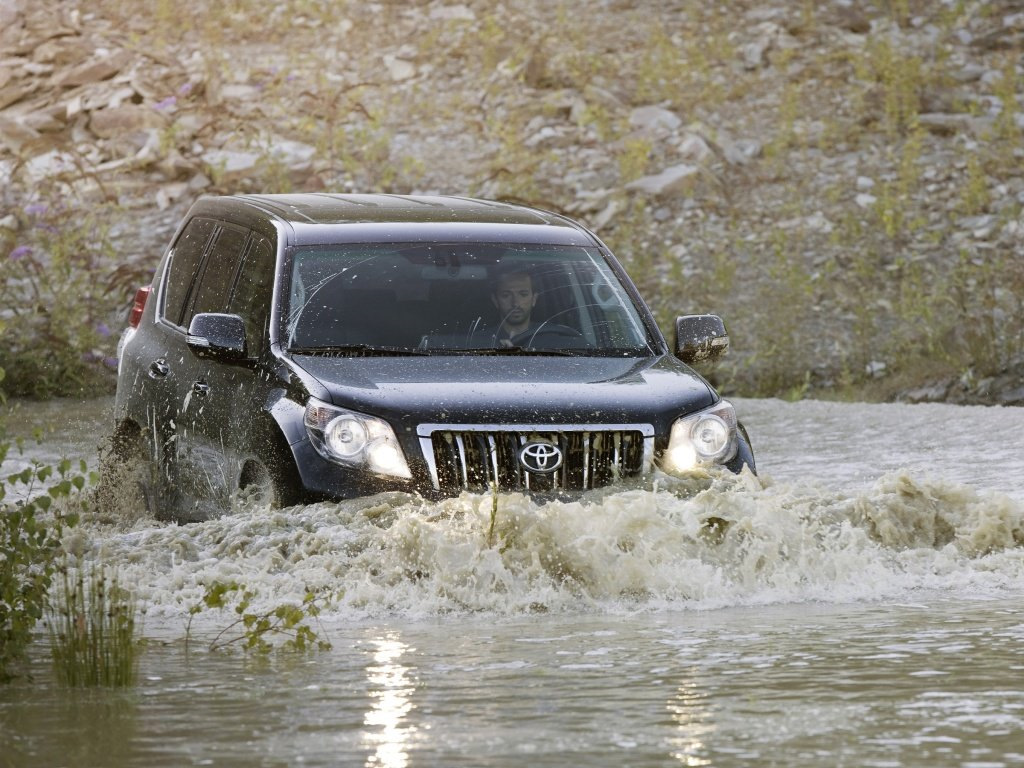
(703, 438)
(355, 439)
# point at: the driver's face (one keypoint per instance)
(514, 299)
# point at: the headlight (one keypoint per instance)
(355, 440)
(707, 437)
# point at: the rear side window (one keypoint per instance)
(214, 288)
(186, 257)
(253, 289)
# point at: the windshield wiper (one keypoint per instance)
(357, 350)
(512, 351)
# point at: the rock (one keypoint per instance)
(239, 92)
(755, 53)
(946, 124)
(930, 393)
(1013, 396)
(62, 51)
(399, 69)
(853, 19)
(103, 67)
(736, 151)
(875, 369)
(44, 121)
(49, 165)
(864, 200)
(693, 149)
(128, 118)
(452, 13)
(654, 121)
(13, 93)
(12, 13)
(604, 218)
(672, 180)
(174, 166)
(15, 135)
(230, 166)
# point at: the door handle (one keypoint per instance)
(159, 368)
(201, 388)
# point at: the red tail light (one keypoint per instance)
(138, 305)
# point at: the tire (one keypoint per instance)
(125, 491)
(257, 490)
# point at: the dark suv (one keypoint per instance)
(308, 347)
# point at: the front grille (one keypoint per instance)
(473, 458)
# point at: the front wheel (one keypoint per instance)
(125, 490)
(258, 489)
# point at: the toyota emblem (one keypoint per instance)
(542, 458)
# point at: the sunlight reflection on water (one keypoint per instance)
(858, 604)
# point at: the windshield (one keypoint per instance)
(358, 298)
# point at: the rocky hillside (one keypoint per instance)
(842, 181)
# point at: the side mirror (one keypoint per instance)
(217, 336)
(700, 338)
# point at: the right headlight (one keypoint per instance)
(703, 438)
(355, 439)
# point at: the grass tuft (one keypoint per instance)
(93, 631)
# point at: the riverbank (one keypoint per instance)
(842, 184)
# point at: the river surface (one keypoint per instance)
(859, 603)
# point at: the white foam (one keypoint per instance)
(705, 543)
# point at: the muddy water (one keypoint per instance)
(859, 603)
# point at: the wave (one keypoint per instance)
(701, 543)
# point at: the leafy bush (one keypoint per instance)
(30, 546)
(254, 630)
(57, 301)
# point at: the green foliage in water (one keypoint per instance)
(257, 631)
(93, 631)
(30, 547)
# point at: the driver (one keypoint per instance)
(514, 298)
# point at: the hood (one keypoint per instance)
(505, 390)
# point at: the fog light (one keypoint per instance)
(388, 460)
(681, 458)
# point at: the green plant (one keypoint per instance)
(899, 80)
(894, 203)
(30, 543)
(253, 630)
(1007, 88)
(58, 340)
(93, 630)
(975, 196)
(634, 159)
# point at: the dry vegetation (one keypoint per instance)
(841, 181)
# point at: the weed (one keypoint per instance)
(59, 340)
(93, 630)
(254, 630)
(634, 159)
(974, 198)
(31, 528)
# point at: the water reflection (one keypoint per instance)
(689, 711)
(391, 691)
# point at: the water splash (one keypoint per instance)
(706, 542)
